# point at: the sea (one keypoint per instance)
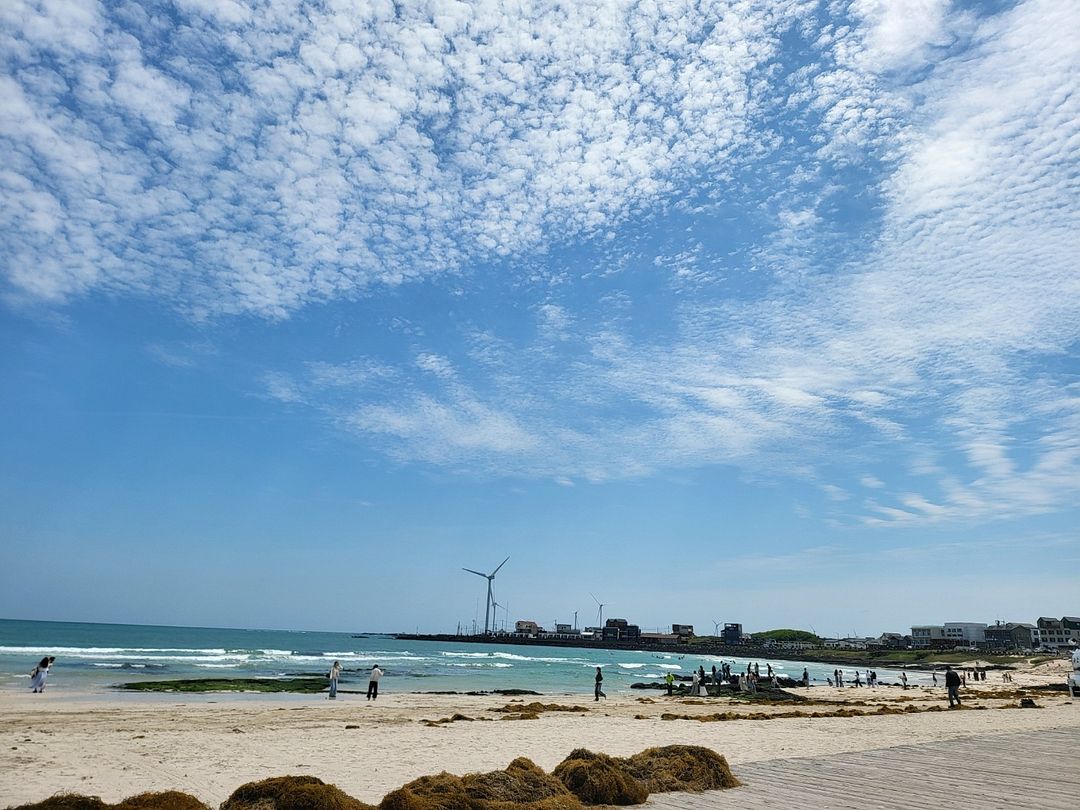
(99, 657)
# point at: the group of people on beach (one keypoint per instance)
(837, 679)
(373, 681)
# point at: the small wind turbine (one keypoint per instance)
(487, 606)
(599, 613)
(716, 628)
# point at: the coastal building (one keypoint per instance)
(927, 635)
(965, 634)
(949, 635)
(851, 643)
(660, 638)
(892, 641)
(732, 634)
(682, 629)
(621, 630)
(1012, 636)
(787, 645)
(1057, 633)
(527, 627)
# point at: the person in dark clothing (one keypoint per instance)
(952, 684)
(598, 692)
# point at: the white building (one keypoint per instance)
(1057, 633)
(925, 635)
(965, 634)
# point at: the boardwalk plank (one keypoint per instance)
(1025, 769)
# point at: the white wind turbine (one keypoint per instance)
(487, 606)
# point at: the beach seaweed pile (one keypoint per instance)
(164, 800)
(583, 778)
(307, 686)
(291, 793)
(718, 717)
(601, 779)
(674, 768)
(522, 785)
(537, 708)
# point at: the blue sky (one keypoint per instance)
(758, 312)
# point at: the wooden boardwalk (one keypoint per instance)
(1024, 770)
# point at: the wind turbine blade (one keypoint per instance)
(594, 597)
(485, 576)
(493, 573)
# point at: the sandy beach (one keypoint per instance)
(114, 746)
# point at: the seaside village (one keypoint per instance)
(1047, 633)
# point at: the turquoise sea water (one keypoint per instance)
(96, 656)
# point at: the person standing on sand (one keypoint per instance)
(805, 677)
(373, 683)
(335, 673)
(952, 684)
(934, 676)
(39, 673)
(903, 679)
(597, 691)
(669, 679)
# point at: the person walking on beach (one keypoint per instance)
(952, 684)
(805, 677)
(373, 683)
(39, 673)
(598, 692)
(669, 679)
(934, 676)
(903, 679)
(335, 673)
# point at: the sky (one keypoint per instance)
(758, 312)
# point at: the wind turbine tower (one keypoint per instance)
(599, 613)
(488, 605)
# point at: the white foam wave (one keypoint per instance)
(509, 657)
(97, 652)
(631, 666)
(669, 666)
(491, 665)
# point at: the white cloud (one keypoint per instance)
(929, 340)
(259, 162)
(247, 161)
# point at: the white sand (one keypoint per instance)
(116, 746)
